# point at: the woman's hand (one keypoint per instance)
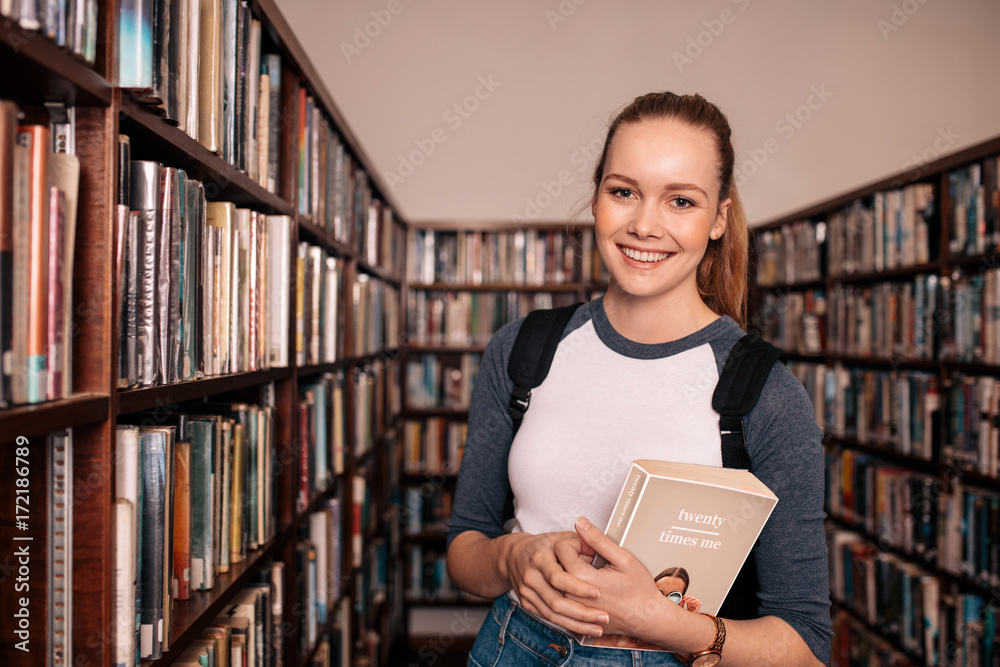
(634, 604)
(546, 589)
(691, 604)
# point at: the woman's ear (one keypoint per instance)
(721, 218)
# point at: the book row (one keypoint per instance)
(200, 65)
(335, 192)
(433, 445)
(320, 553)
(376, 315)
(39, 187)
(426, 576)
(973, 192)
(952, 318)
(790, 254)
(795, 321)
(318, 310)
(441, 381)
(425, 509)
(952, 527)
(923, 614)
(887, 320)
(520, 257)
(897, 410)
(199, 496)
(592, 267)
(890, 230)
(70, 24)
(203, 286)
(856, 645)
(250, 630)
(461, 318)
(973, 424)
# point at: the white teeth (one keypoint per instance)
(645, 256)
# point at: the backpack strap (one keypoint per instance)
(531, 356)
(740, 383)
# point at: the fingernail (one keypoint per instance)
(596, 632)
(594, 593)
(603, 619)
(583, 523)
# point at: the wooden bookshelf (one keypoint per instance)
(948, 263)
(38, 71)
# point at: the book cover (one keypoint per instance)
(191, 225)
(123, 612)
(35, 141)
(181, 581)
(135, 45)
(228, 73)
(692, 526)
(191, 47)
(221, 216)
(64, 173)
(59, 288)
(210, 76)
(144, 199)
(168, 266)
(153, 476)
(279, 269)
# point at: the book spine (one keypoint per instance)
(135, 45)
(58, 288)
(191, 226)
(192, 55)
(123, 518)
(35, 138)
(145, 198)
(228, 67)
(182, 522)
(210, 97)
(153, 475)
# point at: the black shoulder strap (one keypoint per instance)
(531, 356)
(740, 383)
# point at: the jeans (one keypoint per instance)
(511, 636)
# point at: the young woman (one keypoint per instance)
(633, 378)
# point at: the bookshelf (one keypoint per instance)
(345, 222)
(885, 300)
(464, 281)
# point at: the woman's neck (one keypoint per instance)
(650, 320)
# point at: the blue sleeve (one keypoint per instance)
(483, 485)
(786, 449)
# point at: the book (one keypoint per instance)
(692, 526)
(135, 57)
(34, 139)
(209, 76)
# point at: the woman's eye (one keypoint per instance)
(621, 193)
(683, 202)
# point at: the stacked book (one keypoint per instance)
(200, 65)
(972, 439)
(521, 257)
(792, 253)
(203, 286)
(319, 317)
(433, 446)
(195, 495)
(973, 193)
(71, 24)
(441, 381)
(462, 318)
(39, 186)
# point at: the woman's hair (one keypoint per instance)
(722, 273)
(678, 572)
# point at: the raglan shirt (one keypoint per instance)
(608, 401)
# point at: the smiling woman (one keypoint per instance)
(633, 377)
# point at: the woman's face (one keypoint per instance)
(670, 584)
(657, 206)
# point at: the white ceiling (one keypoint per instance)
(900, 79)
